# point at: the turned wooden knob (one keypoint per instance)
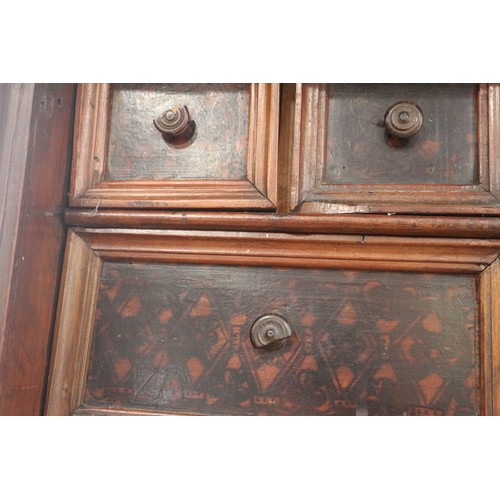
(403, 119)
(270, 331)
(174, 122)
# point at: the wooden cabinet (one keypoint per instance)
(384, 313)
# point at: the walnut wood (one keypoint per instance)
(363, 252)
(489, 301)
(44, 117)
(15, 112)
(375, 224)
(494, 300)
(87, 248)
(257, 190)
(493, 181)
(312, 193)
(73, 328)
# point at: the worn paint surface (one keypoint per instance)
(175, 337)
(218, 149)
(444, 151)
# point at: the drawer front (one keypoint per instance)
(164, 323)
(176, 145)
(177, 338)
(217, 148)
(395, 148)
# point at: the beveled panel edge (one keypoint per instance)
(494, 138)
(489, 302)
(222, 195)
(91, 118)
(262, 170)
(352, 205)
(447, 255)
(308, 196)
(258, 192)
(73, 329)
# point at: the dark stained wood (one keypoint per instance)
(357, 151)
(176, 337)
(389, 180)
(218, 150)
(26, 338)
(374, 224)
(169, 304)
(230, 164)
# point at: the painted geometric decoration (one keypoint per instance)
(175, 338)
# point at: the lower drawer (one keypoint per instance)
(171, 323)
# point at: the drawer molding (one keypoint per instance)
(310, 193)
(257, 192)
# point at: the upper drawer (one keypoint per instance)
(176, 146)
(401, 148)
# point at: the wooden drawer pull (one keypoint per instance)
(270, 331)
(403, 119)
(175, 122)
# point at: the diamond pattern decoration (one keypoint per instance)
(175, 337)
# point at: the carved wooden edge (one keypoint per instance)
(178, 195)
(258, 192)
(280, 249)
(494, 138)
(374, 224)
(489, 299)
(309, 195)
(73, 328)
(263, 139)
(89, 144)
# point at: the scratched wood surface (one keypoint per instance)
(445, 150)
(41, 150)
(175, 338)
(218, 150)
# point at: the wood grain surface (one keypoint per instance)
(44, 157)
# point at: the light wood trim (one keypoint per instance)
(279, 249)
(177, 194)
(73, 329)
(489, 299)
(494, 138)
(92, 107)
(258, 192)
